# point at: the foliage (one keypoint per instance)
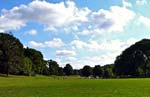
(68, 70)
(14, 59)
(97, 71)
(134, 61)
(11, 54)
(27, 67)
(53, 67)
(86, 71)
(107, 71)
(37, 59)
(60, 71)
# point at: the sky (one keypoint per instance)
(78, 32)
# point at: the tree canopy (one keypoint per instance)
(86, 71)
(11, 54)
(135, 60)
(97, 71)
(37, 59)
(14, 59)
(68, 70)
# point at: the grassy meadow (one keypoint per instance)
(41, 86)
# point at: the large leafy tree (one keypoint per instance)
(97, 71)
(68, 70)
(107, 71)
(27, 67)
(134, 61)
(11, 54)
(53, 67)
(86, 71)
(60, 71)
(37, 59)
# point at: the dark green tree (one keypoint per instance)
(134, 61)
(46, 68)
(60, 71)
(37, 59)
(11, 54)
(107, 71)
(53, 67)
(27, 67)
(97, 71)
(76, 72)
(68, 70)
(86, 71)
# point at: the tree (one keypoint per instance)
(86, 71)
(27, 67)
(60, 71)
(76, 72)
(46, 68)
(107, 71)
(134, 61)
(68, 70)
(53, 67)
(37, 59)
(11, 54)
(97, 71)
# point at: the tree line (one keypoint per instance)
(17, 60)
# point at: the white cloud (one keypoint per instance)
(36, 44)
(78, 44)
(141, 2)
(111, 50)
(111, 45)
(51, 15)
(70, 17)
(31, 32)
(78, 63)
(9, 21)
(113, 20)
(88, 32)
(55, 43)
(126, 4)
(144, 20)
(65, 53)
(72, 58)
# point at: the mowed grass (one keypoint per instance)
(41, 86)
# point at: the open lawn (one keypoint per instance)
(40, 86)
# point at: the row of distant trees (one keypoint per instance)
(86, 71)
(17, 60)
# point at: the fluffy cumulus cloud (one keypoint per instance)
(114, 19)
(110, 48)
(78, 63)
(31, 32)
(65, 53)
(55, 43)
(141, 2)
(126, 4)
(78, 44)
(70, 17)
(144, 20)
(112, 45)
(48, 14)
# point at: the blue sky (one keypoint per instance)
(79, 32)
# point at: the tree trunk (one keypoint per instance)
(7, 70)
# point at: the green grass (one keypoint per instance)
(40, 86)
